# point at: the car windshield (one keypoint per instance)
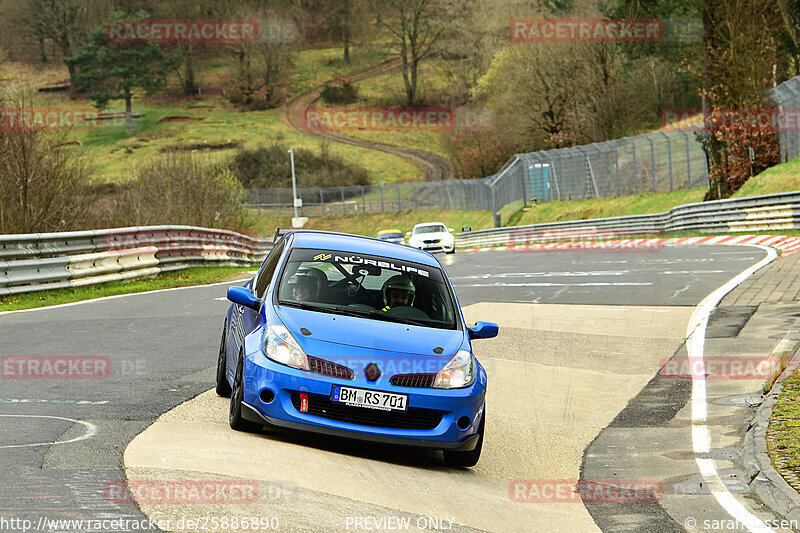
(390, 235)
(368, 286)
(437, 228)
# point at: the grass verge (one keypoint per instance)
(783, 434)
(180, 278)
(608, 207)
(780, 178)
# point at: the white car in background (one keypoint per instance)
(433, 237)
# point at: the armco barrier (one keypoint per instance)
(45, 261)
(768, 212)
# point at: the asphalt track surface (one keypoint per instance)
(62, 441)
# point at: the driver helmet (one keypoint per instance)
(303, 283)
(398, 283)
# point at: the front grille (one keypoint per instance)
(321, 366)
(422, 381)
(322, 406)
(432, 241)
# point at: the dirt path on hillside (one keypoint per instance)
(432, 167)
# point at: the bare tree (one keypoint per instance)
(735, 32)
(43, 183)
(64, 22)
(467, 48)
(415, 27)
(532, 88)
(344, 21)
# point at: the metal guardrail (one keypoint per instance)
(45, 261)
(754, 213)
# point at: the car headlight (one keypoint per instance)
(459, 372)
(280, 346)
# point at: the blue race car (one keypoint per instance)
(353, 337)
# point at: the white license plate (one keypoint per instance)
(371, 399)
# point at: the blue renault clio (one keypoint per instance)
(353, 337)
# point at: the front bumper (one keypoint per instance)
(437, 247)
(261, 373)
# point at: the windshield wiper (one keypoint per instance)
(303, 305)
(380, 315)
(349, 311)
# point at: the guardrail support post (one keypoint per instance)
(321, 202)
(382, 207)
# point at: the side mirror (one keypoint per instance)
(243, 296)
(451, 230)
(483, 330)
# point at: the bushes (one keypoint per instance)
(339, 93)
(269, 166)
(339, 90)
(41, 182)
(477, 153)
(731, 144)
(181, 188)
(248, 98)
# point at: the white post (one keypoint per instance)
(294, 183)
(297, 222)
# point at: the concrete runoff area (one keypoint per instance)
(652, 436)
(558, 374)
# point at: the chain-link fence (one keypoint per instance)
(786, 99)
(663, 161)
(652, 162)
(657, 162)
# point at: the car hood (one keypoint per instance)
(368, 333)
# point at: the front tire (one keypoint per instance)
(223, 387)
(453, 250)
(470, 458)
(237, 397)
